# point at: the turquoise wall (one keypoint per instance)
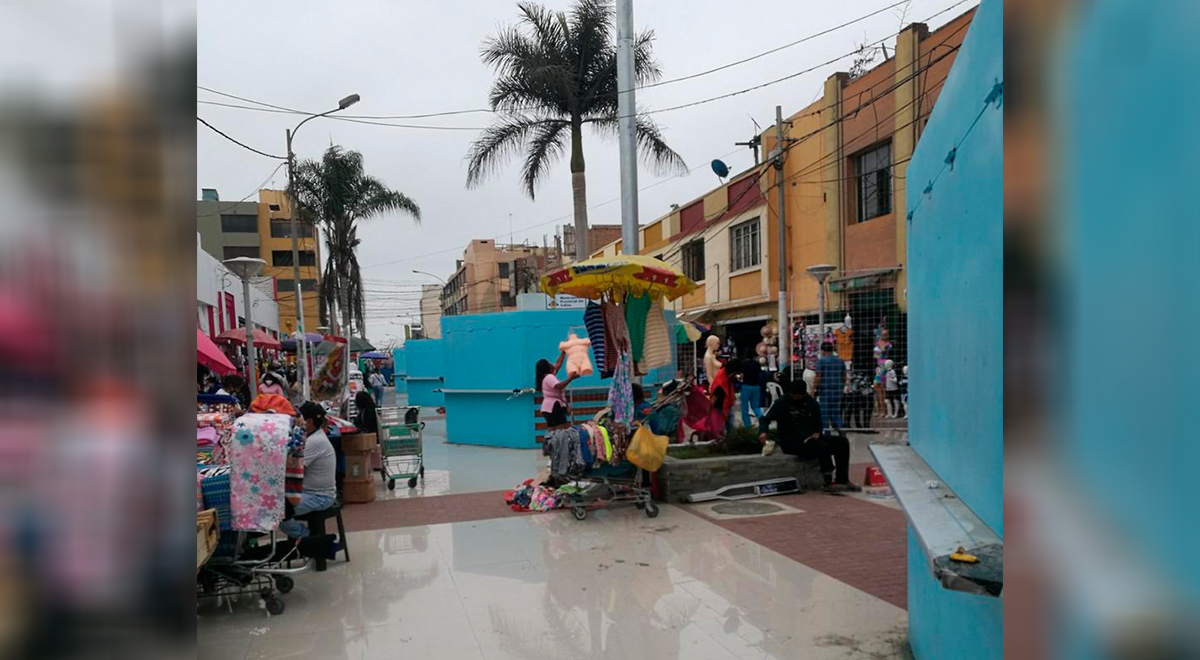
(955, 325)
(426, 365)
(399, 372)
(497, 352)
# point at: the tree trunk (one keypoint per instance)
(579, 191)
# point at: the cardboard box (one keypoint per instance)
(358, 467)
(359, 443)
(358, 492)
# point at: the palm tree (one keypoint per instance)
(336, 192)
(556, 73)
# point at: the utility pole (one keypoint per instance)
(627, 128)
(785, 330)
(293, 211)
(302, 343)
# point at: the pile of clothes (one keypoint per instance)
(532, 496)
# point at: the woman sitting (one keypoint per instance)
(320, 466)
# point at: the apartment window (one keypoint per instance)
(693, 260)
(744, 250)
(284, 258)
(288, 285)
(503, 269)
(874, 182)
(507, 300)
(283, 229)
(235, 251)
(239, 224)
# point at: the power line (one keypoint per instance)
(240, 144)
(367, 119)
(551, 221)
(643, 86)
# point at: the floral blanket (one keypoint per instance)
(256, 458)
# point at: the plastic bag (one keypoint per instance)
(647, 450)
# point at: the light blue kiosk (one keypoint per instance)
(482, 371)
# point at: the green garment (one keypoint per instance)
(636, 310)
(681, 335)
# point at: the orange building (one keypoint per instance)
(843, 176)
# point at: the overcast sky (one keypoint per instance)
(416, 57)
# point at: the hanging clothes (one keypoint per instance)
(658, 341)
(593, 318)
(636, 310)
(585, 449)
(562, 446)
(618, 333)
(620, 393)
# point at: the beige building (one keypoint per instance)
(431, 311)
(489, 276)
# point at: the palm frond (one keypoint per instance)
(496, 144)
(653, 150)
(546, 146)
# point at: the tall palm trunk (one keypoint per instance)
(579, 190)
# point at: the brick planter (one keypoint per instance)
(679, 478)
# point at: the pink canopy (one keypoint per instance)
(210, 356)
(261, 339)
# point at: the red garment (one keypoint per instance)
(721, 381)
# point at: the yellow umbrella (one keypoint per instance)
(633, 274)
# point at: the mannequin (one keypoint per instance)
(844, 337)
(892, 387)
(904, 390)
(711, 363)
(577, 355)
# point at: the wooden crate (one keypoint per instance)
(207, 535)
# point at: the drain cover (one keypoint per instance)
(746, 508)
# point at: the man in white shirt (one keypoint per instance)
(320, 471)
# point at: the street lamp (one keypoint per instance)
(246, 268)
(820, 272)
(421, 272)
(302, 345)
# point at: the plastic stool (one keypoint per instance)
(316, 525)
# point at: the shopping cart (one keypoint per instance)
(400, 445)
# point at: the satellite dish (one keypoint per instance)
(720, 168)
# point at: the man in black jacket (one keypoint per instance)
(798, 418)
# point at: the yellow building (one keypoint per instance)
(274, 229)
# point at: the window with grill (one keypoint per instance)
(283, 229)
(507, 300)
(239, 224)
(235, 251)
(873, 180)
(503, 269)
(286, 285)
(284, 258)
(744, 246)
(693, 260)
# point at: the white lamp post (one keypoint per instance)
(821, 272)
(246, 268)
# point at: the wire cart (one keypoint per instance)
(400, 445)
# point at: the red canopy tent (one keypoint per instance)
(261, 339)
(209, 355)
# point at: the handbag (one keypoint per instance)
(647, 450)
